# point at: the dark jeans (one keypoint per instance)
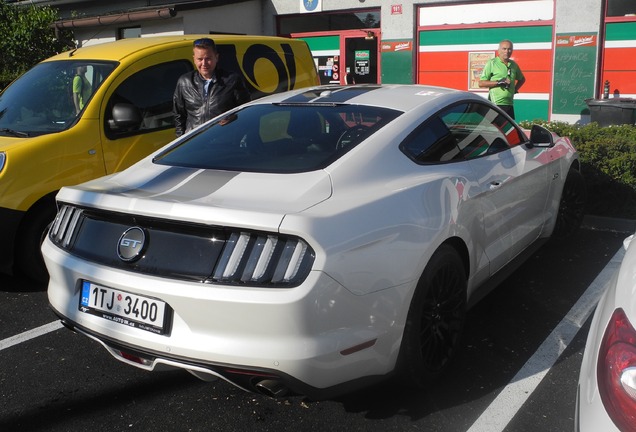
(508, 109)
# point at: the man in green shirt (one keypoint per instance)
(503, 77)
(81, 89)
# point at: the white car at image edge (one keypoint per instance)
(311, 242)
(606, 396)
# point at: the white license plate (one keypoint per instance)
(125, 308)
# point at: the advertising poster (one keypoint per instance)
(362, 58)
(476, 63)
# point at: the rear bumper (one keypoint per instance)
(266, 381)
(316, 339)
(9, 223)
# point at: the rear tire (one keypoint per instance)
(435, 321)
(572, 205)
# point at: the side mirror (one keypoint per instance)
(541, 137)
(125, 116)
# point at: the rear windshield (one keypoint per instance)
(50, 97)
(279, 138)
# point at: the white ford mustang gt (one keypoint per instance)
(311, 242)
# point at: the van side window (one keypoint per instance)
(143, 102)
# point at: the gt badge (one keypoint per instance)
(131, 244)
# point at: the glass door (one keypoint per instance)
(361, 60)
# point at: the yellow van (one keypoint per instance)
(46, 143)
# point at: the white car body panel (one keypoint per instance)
(591, 414)
(514, 197)
(177, 193)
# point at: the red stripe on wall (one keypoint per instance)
(537, 60)
(456, 80)
(537, 82)
(620, 59)
(443, 61)
(622, 81)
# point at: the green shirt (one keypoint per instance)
(82, 87)
(495, 70)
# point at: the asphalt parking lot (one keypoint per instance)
(518, 371)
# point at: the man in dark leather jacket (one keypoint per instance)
(207, 91)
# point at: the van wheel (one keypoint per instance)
(572, 205)
(29, 261)
(435, 320)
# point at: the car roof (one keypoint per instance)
(403, 97)
(120, 49)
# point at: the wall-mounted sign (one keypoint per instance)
(396, 9)
(574, 72)
(576, 40)
(395, 46)
(308, 6)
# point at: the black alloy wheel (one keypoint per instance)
(572, 205)
(435, 323)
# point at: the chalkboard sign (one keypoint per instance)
(574, 73)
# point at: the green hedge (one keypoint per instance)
(608, 156)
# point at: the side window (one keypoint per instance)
(463, 131)
(145, 99)
(478, 129)
(432, 142)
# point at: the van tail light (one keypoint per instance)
(616, 371)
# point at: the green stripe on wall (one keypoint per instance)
(531, 109)
(323, 43)
(486, 35)
(397, 67)
(620, 31)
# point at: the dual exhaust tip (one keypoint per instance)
(271, 388)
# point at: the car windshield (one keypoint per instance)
(49, 97)
(278, 138)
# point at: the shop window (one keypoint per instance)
(129, 32)
(329, 22)
(620, 8)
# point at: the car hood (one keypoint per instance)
(203, 196)
(9, 142)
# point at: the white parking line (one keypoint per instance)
(30, 334)
(499, 413)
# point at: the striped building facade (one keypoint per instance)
(567, 49)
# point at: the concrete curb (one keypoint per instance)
(601, 223)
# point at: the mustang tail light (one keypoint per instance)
(63, 227)
(256, 258)
(616, 371)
